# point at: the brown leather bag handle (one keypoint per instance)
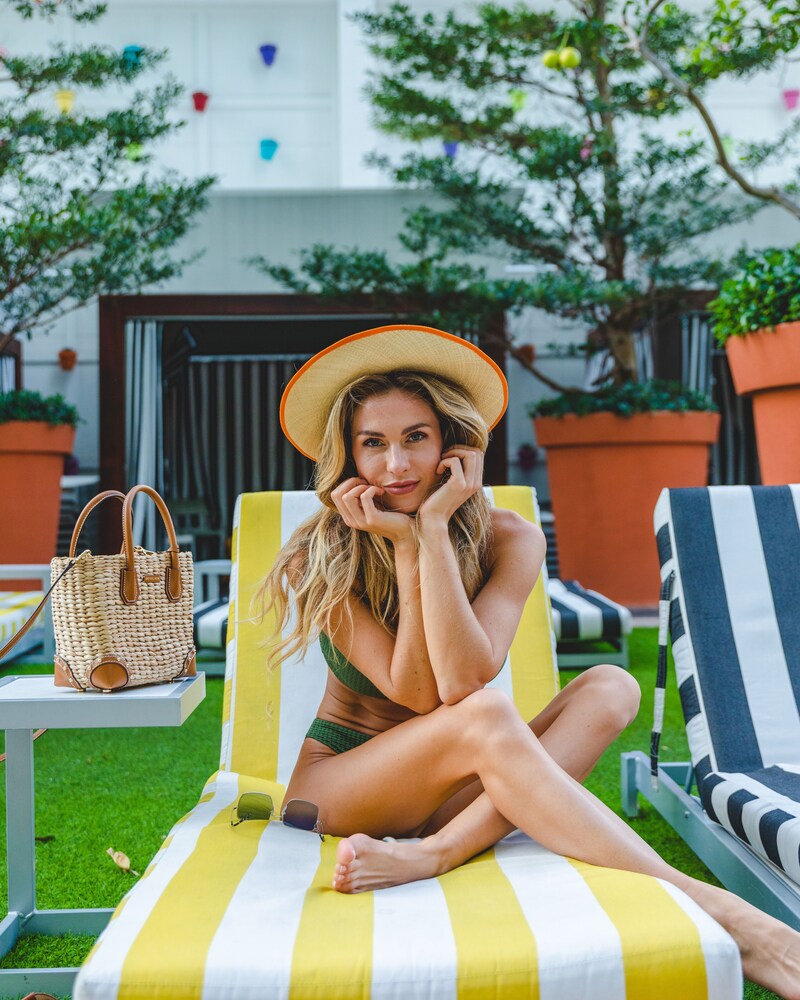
(90, 506)
(129, 585)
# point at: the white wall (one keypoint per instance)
(317, 187)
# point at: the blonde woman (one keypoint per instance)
(414, 588)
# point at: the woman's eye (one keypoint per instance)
(372, 442)
(417, 436)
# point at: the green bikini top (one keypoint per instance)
(344, 670)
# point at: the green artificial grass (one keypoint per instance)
(125, 788)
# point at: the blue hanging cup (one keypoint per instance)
(268, 148)
(268, 53)
(132, 54)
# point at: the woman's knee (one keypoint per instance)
(617, 691)
(489, 714)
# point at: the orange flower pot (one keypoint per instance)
(605, 474)
(766, 366)
(31, 463)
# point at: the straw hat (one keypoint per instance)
(308, 397)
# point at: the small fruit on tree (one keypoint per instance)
(550, 58)
(569, 57)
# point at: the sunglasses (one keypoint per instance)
(297, 812)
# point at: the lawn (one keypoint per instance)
(124, 788)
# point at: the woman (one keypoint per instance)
(415, 588)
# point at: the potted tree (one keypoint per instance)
(757, 319)
(609, 455)
(81, 216)
(36, 434)
(604, 213)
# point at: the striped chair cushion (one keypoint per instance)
(583, 615)
(211, 624)
(735, 629)
(16, 607)
(248, 913)
(762, 809)
(578, 616)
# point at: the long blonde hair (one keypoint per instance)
(325, 562)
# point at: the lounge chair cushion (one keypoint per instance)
(211, 624)
(734, 621)
(762, 809)
(16, 607)
(735, 629)
(247, 912)
(581, 615)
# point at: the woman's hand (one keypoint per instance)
(462, 468)
(355, 500)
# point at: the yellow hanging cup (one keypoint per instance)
(65, 99)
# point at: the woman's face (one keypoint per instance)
(397, 444)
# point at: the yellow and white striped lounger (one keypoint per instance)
(247, 913)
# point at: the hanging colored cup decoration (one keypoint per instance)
(65, 100)
(268, 53)
(269, 147)
(450, 149)
(790, 99)
(67, 359)
(131, 54)
(200, 100)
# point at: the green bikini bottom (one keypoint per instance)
(338, 738)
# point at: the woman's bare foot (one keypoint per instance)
(364, 863)
(770, 949)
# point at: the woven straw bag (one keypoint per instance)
(123, 620)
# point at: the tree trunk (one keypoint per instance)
(620, 343)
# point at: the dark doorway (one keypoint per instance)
(224, 363)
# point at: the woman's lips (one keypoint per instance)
(399, 489)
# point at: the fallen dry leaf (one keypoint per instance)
(121, 861)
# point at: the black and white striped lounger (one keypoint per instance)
(211, 625)
(730, 569)
(580, 617)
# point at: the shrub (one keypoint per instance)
(23, 404)
(764, 293)
(625, 400)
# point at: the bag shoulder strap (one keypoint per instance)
(21, 631)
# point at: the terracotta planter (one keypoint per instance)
(31, 463)
(605, 474)
(766, 366)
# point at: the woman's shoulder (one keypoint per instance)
(510, 528)
(517, 551)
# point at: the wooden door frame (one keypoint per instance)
(115, 310)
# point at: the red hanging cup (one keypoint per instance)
(200, 100)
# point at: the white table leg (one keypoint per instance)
(21, 860)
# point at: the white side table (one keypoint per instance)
(33, 702)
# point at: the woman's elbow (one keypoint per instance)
(452, 694)
(420, 702)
